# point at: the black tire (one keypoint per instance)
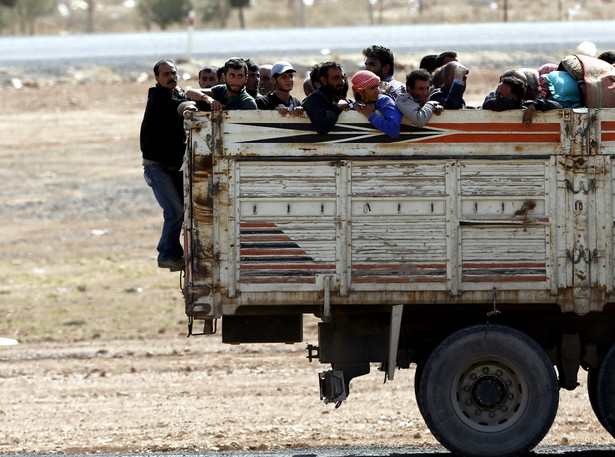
(488, 391)
(592, 387)
(417, 380)
(605, 392)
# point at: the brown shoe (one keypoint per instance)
(172, 264)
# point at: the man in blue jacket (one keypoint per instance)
(379, 109)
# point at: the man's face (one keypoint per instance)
(373, 64)
(208, 79)
(266, 84)
(420, 91)
(235, 80)
(370, 95)
(334, 82)
(285, 82)
(253, 81)
(504, 91)
(167, 76)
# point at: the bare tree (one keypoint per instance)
(240, 4)
(370, 10)
(91, 6)
(242, 19)
(223, 14)
(147, 13)
(30, 10)
(164, 12)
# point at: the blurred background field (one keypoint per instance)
(102, 16)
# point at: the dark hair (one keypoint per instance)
(314, 75)
(444, 55)
(323, 69)
(421, 75)
(220, 72)
(160, 62)
(208, 69)
(517, 87)
(608, 56)
(429, 63)
(384, 55)
(512, 73)
(251, 65)
(436, 77)
(236, 64)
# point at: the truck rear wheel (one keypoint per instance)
(489, 391)
(605, 392)
(592, 387)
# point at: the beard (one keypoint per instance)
(234, 89)
(335, 91)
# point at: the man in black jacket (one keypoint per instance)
(454, 79)
(283, 76)
(510, 95)
(162, 145)
(324, 105)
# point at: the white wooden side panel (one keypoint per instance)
(398, 212)
(399, 251)
(504, 225)
(503, 257)
(285, 225)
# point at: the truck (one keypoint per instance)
(475, 249)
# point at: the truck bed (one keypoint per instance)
(473, 207)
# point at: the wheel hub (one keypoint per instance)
(489, 392)
(488, 395)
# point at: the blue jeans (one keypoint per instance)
(168, 189)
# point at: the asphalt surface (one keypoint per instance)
(370, 451)
(106, 49)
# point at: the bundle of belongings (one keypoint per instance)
(582, 81)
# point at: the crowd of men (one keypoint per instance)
(439, 84)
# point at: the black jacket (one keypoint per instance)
(272, 101)
(322, 111)
(162, 130)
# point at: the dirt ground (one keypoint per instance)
(103, 362)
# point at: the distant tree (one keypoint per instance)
(91, 7)
(213, 11)
(221, 9)
(9, 3)
(6, 18)
(240, 4)
(28, 11)
(164, 12)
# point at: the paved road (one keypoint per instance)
(122, 47)
(371, 451)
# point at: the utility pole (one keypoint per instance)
(298, 13)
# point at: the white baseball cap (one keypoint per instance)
(281, 67)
